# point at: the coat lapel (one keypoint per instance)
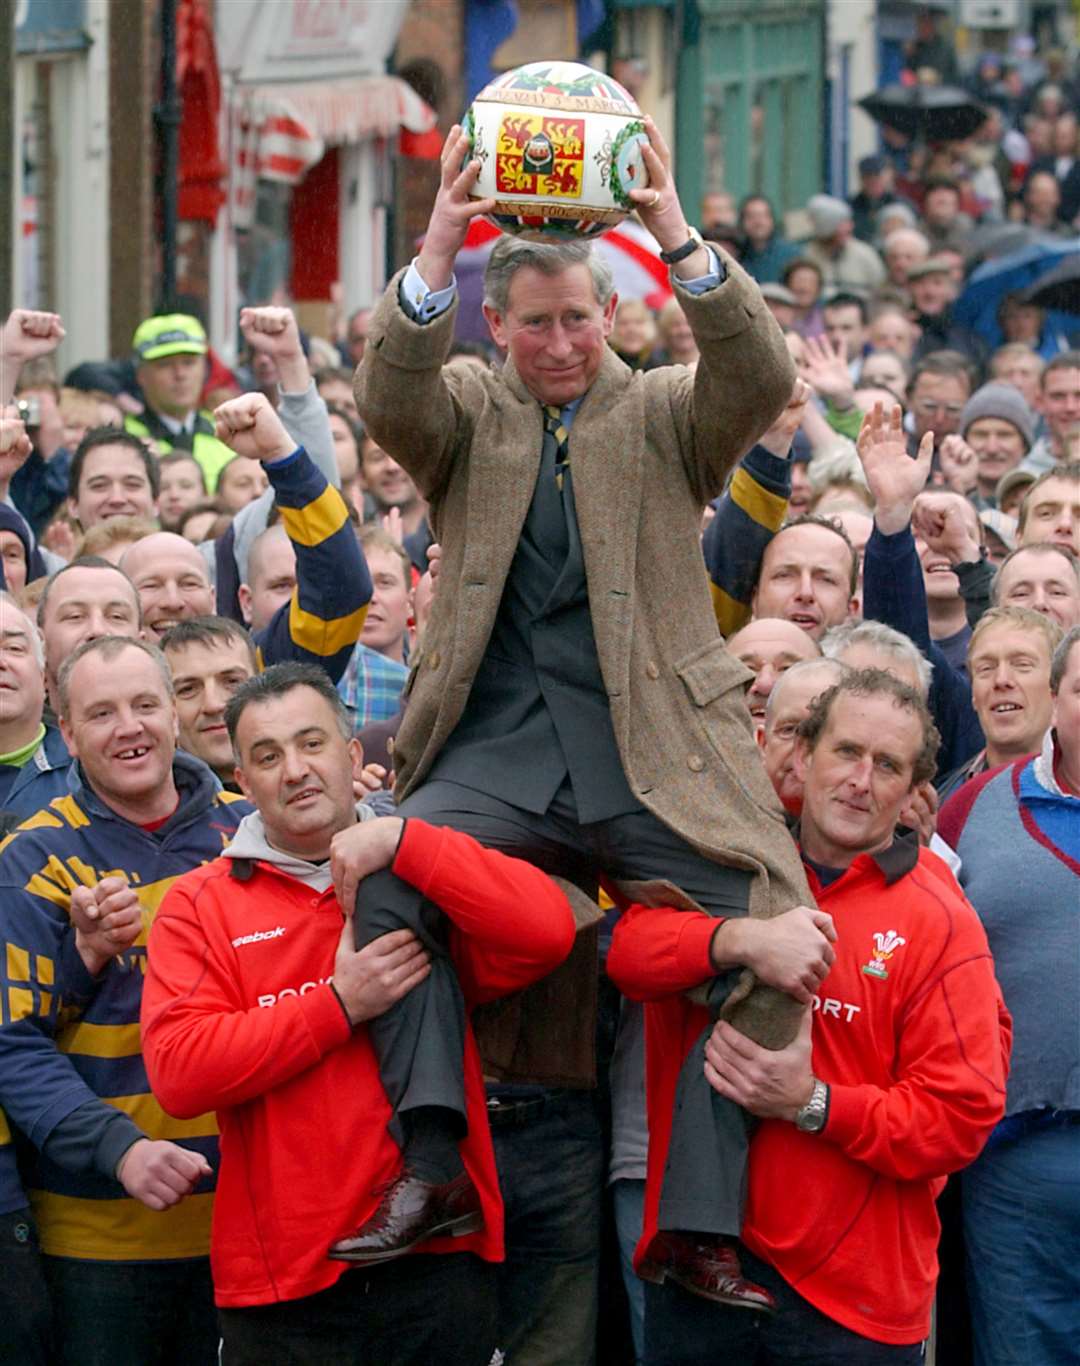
(607, 458)
(503, 465)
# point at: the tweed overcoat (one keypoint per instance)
(647, 450)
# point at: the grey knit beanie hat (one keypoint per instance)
(1001, 401)
(827, 213)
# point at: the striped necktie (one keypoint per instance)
(553, 425)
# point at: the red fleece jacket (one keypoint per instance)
(238, 1017)
(911, 1033)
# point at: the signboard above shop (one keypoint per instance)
(44, 26)
(990, 13)
(261, 41)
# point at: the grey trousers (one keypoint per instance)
(420, 1041)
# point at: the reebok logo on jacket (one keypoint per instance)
(258, 937)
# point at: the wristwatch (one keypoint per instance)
(672, 258)
(811, 1118)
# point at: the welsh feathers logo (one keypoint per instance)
(885, 945)
(536, 154)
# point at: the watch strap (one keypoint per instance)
(814, 1115)
(672, 258)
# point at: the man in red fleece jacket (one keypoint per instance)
(896, 1078)
(254, 1006)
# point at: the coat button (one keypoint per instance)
(435, 660)
(390, 745)
(652, 669)
(695, 763)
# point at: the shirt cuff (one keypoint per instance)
(418, 851)
(694, 950)
(299, 398)
(115, 1140)
(341, 1003)
(701, 284)
(894, 544)
(421, 303)
(772, 472)
(78, 982)
(283, 460)
(846, 1120)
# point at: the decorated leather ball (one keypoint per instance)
(560, 148)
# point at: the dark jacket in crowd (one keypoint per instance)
(894, 593)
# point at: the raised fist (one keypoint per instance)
(272, 330)
(250, 426)
(28, 334)
(15, 445)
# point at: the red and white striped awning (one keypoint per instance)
(350, 111)
(279, 131)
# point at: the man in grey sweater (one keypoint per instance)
(1017, 832)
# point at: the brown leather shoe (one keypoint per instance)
(410, 1212)
(706, 1266)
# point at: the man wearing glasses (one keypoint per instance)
(940, 386)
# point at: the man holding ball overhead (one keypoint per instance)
(572, 702)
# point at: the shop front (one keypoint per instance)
(310, 126)
(749, 101)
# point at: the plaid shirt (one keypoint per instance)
(371, 687)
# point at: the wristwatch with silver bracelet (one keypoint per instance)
(811, 1118)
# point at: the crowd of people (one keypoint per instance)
(559, 860)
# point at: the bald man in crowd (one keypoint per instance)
(271, 577)
(769, 646)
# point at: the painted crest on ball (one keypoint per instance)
(560, 148)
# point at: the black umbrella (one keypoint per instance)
(1059, 288)
(927, 113)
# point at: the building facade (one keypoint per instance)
(311, 124)
(61, 165)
